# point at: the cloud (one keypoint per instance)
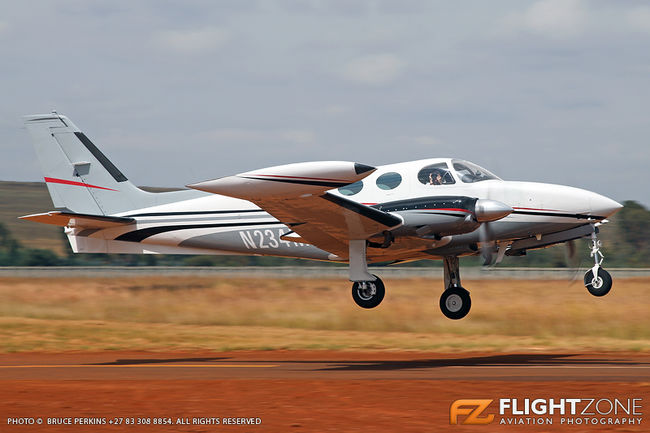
(375, 70)
(556, 19)
(426, 140)
(335, 110)
(298, 136)
(235, 135)
(256, 136)
(422, 140)
(193, 41)
(639, 18)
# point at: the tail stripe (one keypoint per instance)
(70, 182)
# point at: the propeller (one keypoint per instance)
(488, 245)
(571, 256)
(573, 260)
(487, 211)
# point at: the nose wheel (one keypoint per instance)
(598, 285)
(368, 294)
(597, 280)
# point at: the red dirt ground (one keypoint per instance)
(335, 401)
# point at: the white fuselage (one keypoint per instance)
(215, 224)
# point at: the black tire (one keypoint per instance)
(371, 296)
(455, 303)
(601, 286)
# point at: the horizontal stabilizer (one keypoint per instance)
(78, 220)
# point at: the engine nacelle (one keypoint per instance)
(435, 217)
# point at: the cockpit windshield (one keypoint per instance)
(470, 173)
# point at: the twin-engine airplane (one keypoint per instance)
(338, 211)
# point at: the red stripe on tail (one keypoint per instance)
(70, 182)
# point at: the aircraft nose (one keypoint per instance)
(603, 206)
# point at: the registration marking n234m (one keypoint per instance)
(263, 239)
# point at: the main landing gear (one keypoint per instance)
(597, 280)
(368, 290)
(368, 294)
(455, 301)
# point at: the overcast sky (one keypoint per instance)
(177, 92)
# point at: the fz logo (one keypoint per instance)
(473, 409)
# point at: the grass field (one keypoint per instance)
(24, 198)
(190, 313)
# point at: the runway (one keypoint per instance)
(305, 365)
(321, 391)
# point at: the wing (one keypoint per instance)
(329, 221)
(296, 194)
(70, 219)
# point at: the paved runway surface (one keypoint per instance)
(596, 367)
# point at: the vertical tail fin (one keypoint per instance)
(80, 177)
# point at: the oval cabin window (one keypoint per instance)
(351, 189)
(389, 180)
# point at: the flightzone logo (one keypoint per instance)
(472, 409)
(542, 411)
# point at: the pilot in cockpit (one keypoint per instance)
(435, 178)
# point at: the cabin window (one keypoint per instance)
(389, 180)
(351, 189)
(436, 174)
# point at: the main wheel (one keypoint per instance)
(368, 294)
(455, 303)
(599, 286)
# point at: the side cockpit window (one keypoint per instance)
(470, 173)
(436, 174)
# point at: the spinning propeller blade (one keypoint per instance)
(488, 245)
(485, 212)
(573, 261)
(571, 257)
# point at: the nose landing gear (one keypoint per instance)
(597, 280)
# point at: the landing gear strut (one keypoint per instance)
(597, 280)
(367, 289)
(455, 301)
